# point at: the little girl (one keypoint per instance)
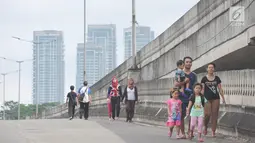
(196, 104)
(109, 105)
(174, 112)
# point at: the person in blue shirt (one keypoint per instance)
(84, 97)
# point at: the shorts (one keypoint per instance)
(174, 122)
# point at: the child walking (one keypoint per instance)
(174, 112)
(196, 104)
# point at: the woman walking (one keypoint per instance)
(131, 97)
(114, 96)
(211, 89)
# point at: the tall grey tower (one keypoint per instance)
(94, 64)
(103, 37)
(144, 35)
(48, 67)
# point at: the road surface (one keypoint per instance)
(93, 130)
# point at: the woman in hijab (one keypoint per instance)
(114, 94)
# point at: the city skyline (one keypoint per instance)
(21, 18)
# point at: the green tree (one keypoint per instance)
(11, 109)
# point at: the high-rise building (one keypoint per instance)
(144, 35)
(48, 67)
(104, 37)
(94, 64)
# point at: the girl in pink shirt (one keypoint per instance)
(174, 112)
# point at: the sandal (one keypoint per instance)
(213, 134)
(205, 132)
(200, 140)
(169, 134)
(179, 137)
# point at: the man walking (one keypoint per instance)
(184, 97)
(84, 100)
(71, 101)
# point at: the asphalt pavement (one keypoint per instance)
(93, 130)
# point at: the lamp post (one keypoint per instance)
(4, 74)
(19, 63)
(84, 72)
(35, 43)
(134, 34)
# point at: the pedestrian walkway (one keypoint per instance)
(94, 130)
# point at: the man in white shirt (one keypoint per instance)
(84, 99)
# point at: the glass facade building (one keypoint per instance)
(48, 67)
(144, 35)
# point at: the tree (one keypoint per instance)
(11, 109)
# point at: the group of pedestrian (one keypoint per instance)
(195, 101)
(188, 99)
(115, 97)
(82, 98)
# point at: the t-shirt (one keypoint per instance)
(197, 109)
(72, 97)
(130, 94)
(174, 107)
(184, 97)
(86, 91)
(179, 73)
(211, 88)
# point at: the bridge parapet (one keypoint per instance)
(238, 85)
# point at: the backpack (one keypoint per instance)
(82, 95)
(193, 98)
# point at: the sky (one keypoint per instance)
(21, 17)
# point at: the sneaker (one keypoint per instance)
(70, 118)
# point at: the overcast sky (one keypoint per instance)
(22, 17)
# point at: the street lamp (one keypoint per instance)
(19, 62)
(134, 22)
(4, 74)
(35, 43)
